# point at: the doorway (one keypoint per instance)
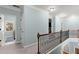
(9, 35)
(50, 26)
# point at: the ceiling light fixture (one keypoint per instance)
(52, 9)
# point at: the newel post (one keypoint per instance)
(38, 35)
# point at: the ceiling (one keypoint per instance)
(61, 9)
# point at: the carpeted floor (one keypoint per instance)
(18, 49)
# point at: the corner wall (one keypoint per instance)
(33, 21)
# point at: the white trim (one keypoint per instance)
(30, 45)
(8, 43)
(17, 41)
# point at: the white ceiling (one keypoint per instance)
(66, 9)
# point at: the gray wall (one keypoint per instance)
(33, 21)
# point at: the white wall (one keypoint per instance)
(71, 23)
(33, 21)
(67, 24)
(57, 24)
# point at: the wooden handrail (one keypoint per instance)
(47, 34)
(50, 33)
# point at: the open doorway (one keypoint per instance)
(50, 26)
(9, 35)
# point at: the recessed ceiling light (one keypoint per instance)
(52, 8)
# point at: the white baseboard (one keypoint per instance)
(30, 45)
(10, 43)
(18, 42)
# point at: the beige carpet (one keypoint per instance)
(18, 49)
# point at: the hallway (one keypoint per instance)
(47, 25)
